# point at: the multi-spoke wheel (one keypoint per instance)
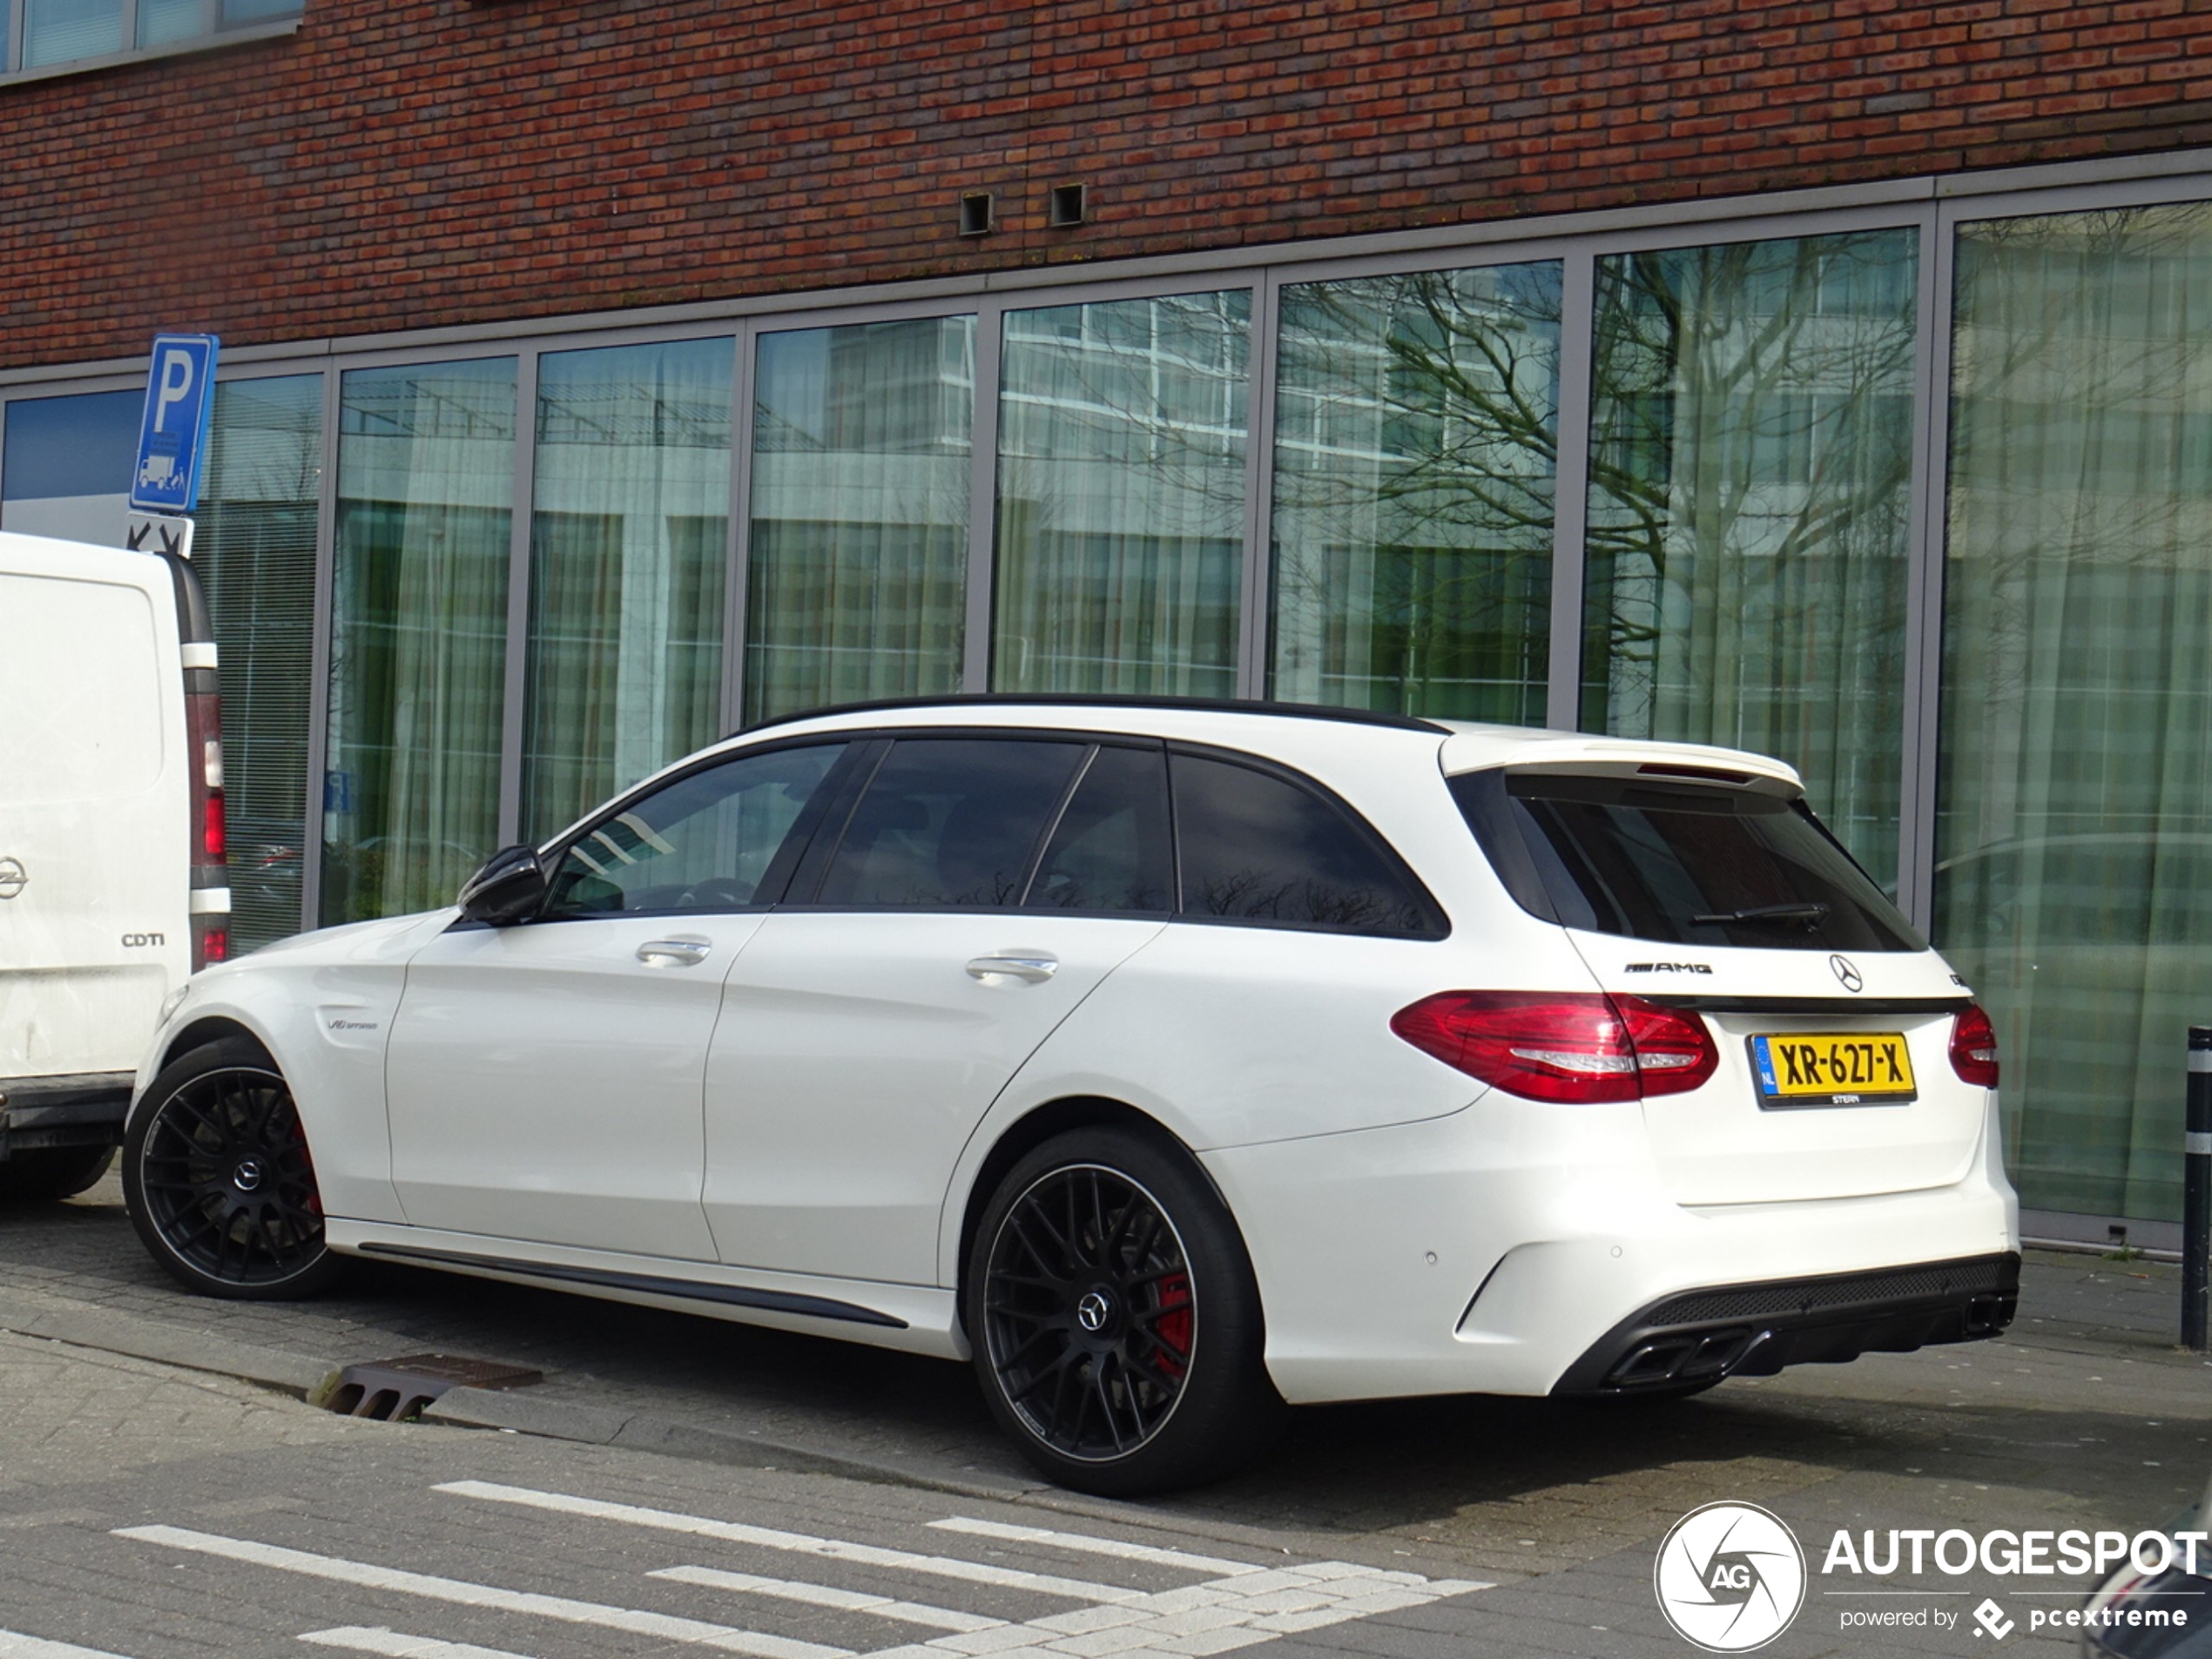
(1114, 1320)
(218, 1179)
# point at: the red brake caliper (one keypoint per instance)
(1173, 1326)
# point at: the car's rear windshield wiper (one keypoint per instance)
(1809, 912)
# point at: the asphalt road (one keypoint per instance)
(153, 1503)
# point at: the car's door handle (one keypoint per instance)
(673, 952)
(1035, 969)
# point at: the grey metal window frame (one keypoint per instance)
(1934, 207)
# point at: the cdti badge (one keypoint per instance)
(1729, 1577)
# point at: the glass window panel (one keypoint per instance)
(950, 823)
(857, 566)
(1258, 847)
(1750, 456)
(1416, 431)
(2074, 876)
(1120, 495)
(705, 842)
(55, 31)
(1111, 849)
(628, 552)
(162, 22)
(236, 12)
(418, 634)
(255, 548)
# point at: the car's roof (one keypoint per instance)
(1466, 746)
(991, 704)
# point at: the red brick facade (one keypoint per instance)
(404, 164)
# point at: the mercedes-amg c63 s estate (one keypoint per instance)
(1170, 1062)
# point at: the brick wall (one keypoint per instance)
(414, 163)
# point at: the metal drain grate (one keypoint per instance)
(395, 1391)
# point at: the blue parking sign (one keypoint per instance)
(181, 402)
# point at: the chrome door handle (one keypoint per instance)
(673, 952)
(1033, 970)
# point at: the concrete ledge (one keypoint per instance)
(167, 1345)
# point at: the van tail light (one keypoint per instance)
(210, 920)
(1575, 1048)
(1974, 1047)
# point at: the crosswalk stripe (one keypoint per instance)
(884, 1607)
(1215, 1565)
(13, 1646)
(486, 1595)
(362, 1639)
(834, 1549)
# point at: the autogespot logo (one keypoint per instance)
(1729, 1577)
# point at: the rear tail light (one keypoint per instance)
(204, 750)
(1974, 1047)
(1574, 1047)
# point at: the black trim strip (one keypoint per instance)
(813, 1307)
(1093, 700)
(1826, 1007)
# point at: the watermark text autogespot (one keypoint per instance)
(2074, 1552)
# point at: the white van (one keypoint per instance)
(113, 888)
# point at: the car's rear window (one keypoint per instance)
(1684, 863)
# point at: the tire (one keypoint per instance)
(218, 1182)
(1116, 1322)
(49, 1174)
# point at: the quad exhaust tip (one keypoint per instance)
(397, 1391)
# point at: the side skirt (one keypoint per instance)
(914, 1318)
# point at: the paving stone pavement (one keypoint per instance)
(2084, 1414)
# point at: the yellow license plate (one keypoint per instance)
(1824, 1068)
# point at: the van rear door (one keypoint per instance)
(100, 781)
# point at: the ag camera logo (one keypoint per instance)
(1729, 1577)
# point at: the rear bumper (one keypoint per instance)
(79, 1109)
(1754, 1330)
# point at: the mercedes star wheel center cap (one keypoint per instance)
(1094, 1310)
(248, 1175)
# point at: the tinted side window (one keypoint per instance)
(704, 842)
(1111, 849)
(1258, 847)
(950, 823)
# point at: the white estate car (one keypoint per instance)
(1173, 1060)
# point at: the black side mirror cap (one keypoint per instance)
(509, 888)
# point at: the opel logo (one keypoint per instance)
(12, 878)
(1852, 979)
(1093, 1311)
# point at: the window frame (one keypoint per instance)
(211, 36)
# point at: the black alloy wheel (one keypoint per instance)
(219, 1180)
(1115, 1323)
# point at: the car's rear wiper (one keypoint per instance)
(1809, 912)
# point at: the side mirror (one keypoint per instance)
(509, 889)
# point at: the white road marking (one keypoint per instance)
(834, 1549)
(21, 1647)
(940, 1618)
(378, 1639)
(1089, 1545)
(484, 1595)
